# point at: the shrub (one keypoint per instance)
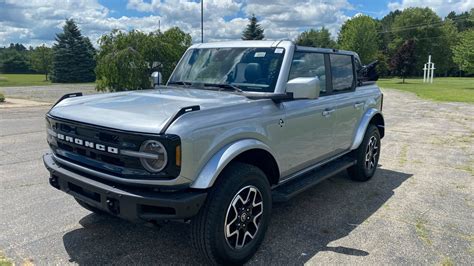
(2, 98)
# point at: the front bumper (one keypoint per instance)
(130, 203)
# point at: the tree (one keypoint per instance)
(253, 31)
(73, 56)
(359, 34)
(463, 21)
(126, 59)
(403, 61)
(463, 52)
(17, 46)
(14, 61)
(41, 60)
(316, 38)
(385, 32)
(432, 36)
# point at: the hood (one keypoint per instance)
(140, 111)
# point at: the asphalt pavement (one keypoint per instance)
(418, 208)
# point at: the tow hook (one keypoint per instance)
(113, 205)
(53, 181)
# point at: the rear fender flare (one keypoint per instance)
(364, 123)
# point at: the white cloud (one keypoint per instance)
(34, 22)
(441, 7)
(285, 19)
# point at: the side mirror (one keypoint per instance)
(155, 79)
(304, 88)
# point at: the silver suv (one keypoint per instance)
(238, 126)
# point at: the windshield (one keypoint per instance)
(248, 69)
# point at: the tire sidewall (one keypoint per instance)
(254, 178)
(373, 131)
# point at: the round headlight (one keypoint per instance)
(158, 156)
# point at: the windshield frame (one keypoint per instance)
(281, 79)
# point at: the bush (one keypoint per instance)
(2, 98)
(126, 59)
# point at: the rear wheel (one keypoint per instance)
(367, 156)
(232, 223)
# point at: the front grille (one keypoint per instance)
(106, 161)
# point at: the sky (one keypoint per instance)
(35, 22)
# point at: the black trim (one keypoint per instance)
(322, 50)
(276, 97)
(327, 63)
(136, 205)
(354, 74)
(179, 113)
(69, 95)
(301, 183)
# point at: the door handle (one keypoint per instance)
(358, 104)
(328, 112)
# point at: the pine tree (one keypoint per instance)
(253, 31)
(73, 56)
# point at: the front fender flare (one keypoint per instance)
(211, 170)
(364, 123)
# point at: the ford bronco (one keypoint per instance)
(238, 126)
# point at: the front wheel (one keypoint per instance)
(367, 156)
(232, 223)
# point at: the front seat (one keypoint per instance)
(253, 72)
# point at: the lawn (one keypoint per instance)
(442, 89)
(12, 80)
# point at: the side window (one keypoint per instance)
(342, 74)
(306, 65)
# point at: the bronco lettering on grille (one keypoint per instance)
(89, 144)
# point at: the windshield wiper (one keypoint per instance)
(182, 83)
(225, 86)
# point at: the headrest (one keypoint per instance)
(253, 72)
(320, 71)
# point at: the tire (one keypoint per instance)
(367, 156)
(90, 207)
(208, 228)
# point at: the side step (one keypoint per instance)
(299, 184)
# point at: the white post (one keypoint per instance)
(432, 72)
(429, 68)
(428, 71)
(424, 73)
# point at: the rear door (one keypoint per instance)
(348, 105)
(308, 133)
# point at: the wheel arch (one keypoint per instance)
(371, 116)
(251, 151)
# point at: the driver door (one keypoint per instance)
(308, 126)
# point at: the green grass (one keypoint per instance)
(442, 89)
(422, 232)
(446, 261)
(403, 154)
(4, 261)
(12, 80)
